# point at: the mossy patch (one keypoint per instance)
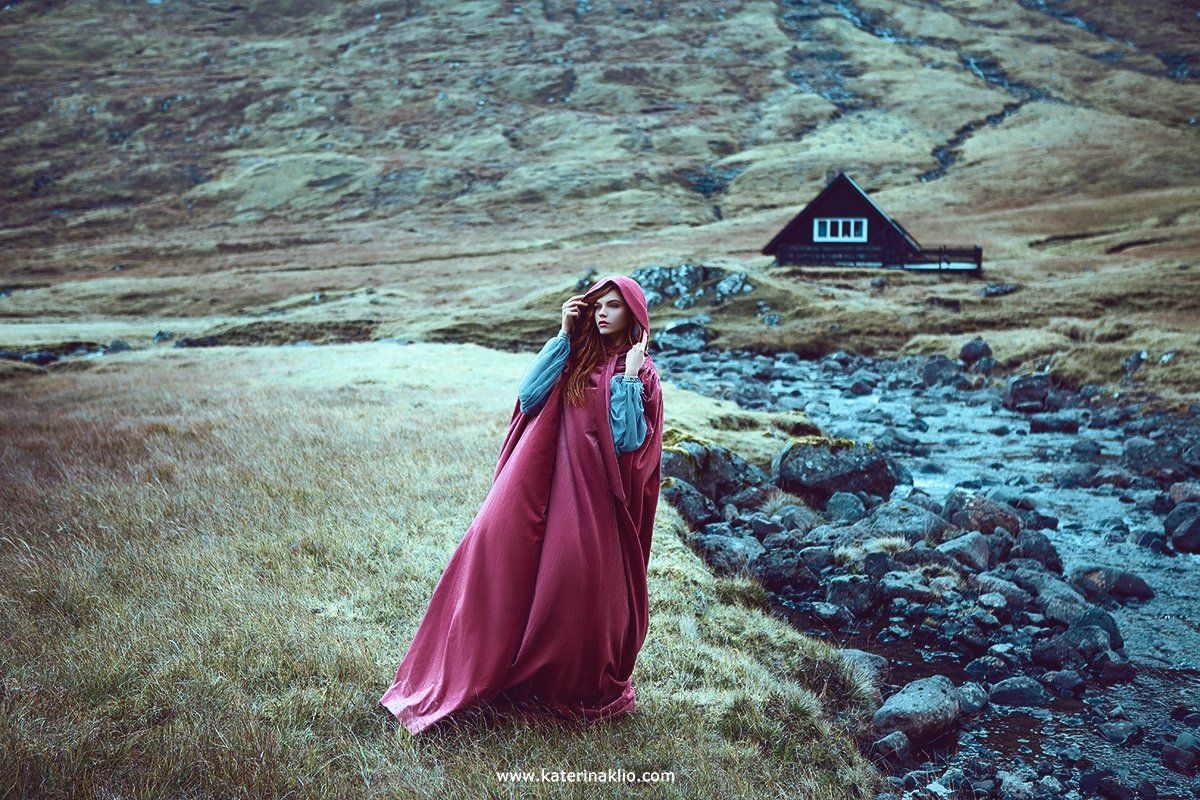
(831, 443)
(795, 426)
(674, 437)
(673, 440)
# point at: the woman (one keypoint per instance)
(543, 604)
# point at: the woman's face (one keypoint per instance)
(610, 313)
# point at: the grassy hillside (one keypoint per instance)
(189, 166)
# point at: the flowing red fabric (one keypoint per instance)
(544, 601)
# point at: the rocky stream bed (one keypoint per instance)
(1013, 563)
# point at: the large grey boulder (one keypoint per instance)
(1055, 597)
(909, 585)
(1027, 393)
(1108, 582)
(1036, 546)
(783, 569)
(797, 518)
(990, 582)
(1019, 690)
(971, 550)
(1182, 527)
(856, 592)
(815, 467)
(727, 554)
(685, 334)
(907, 519)
(696, 509)
(922, 710)
(977, 512)
(1073, 647)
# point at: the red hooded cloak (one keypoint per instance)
(544, 601)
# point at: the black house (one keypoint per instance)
(842, 226)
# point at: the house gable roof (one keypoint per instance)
(839, 178)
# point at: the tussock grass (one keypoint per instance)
(845, 555)
(931, 571)
(213, 560)
(887, 544)
(778, 498)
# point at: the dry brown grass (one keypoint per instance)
(214, 558)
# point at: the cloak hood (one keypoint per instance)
(632, 293)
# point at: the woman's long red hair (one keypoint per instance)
(587, 346)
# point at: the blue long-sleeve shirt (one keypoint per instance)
(626, 413)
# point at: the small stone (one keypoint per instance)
(1120, 731)
(892, 748)
(1019, 691)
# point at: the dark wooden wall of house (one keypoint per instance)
(842, 200)
(887, 244)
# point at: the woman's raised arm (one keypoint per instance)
(541, 374)
(627, 413)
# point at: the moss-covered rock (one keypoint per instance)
(715, 471)
(814, 467)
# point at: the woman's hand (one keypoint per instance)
(636, 356)
(571, 310)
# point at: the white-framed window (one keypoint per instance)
(839, 229)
